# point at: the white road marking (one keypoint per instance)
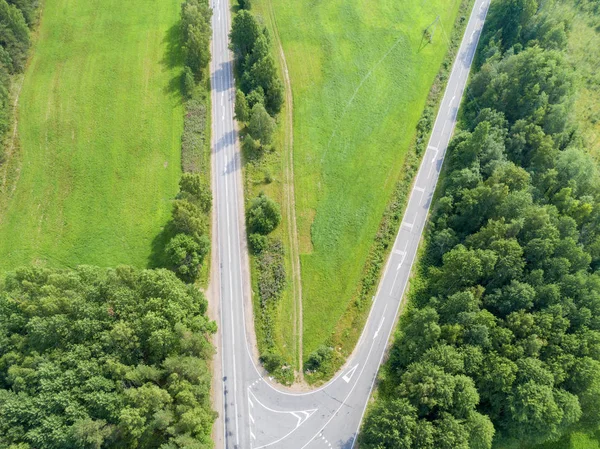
(251, 418)
(419, 189)
(408, 225)
(348, 376)
(252, 435)
(380, 323)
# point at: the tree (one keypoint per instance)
(388, 425)
(261, 125)
(87, 390)
(187, 218)
(244, 33)
(186, 254)
(189, 84)
(263, 215)
(14, 35)
(196, 190)
(242, 111)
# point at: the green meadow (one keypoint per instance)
(100, 123)
(360, 74)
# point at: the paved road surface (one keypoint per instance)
(255, 413)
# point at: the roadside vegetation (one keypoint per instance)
(18, 19)
(100, 122)
(259, 99)
(500, 345)
(96, 358)
(360, 75)
(184, 243)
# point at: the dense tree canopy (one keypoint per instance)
(16, 16)
(505, 313)
(256, 69)
(96, 358)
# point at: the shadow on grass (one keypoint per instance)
(157, 257)
(173, 58)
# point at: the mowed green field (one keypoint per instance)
(100, 122)
(360, 73)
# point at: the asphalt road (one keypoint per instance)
(256, 413)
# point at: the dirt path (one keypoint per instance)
(289, 195)
(7, 189)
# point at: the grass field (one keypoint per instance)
(100, 122)
(584, 54)
(360, 74)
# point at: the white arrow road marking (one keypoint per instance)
(380, 323)
(348, 376)
(301, 415)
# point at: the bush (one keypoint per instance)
(271, 273)
(189, 84)
(188, 219)
(251, 148)
(186, 254)
(263, 215)
(261, 125)
(257, 243)
(316, 360)
(196, 190)
(242, 111)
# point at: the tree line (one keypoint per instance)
(104, 358)
(188, 231)
(501, 340)
(258, 100)
(16, 19)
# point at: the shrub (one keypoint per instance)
(319, 358)
(189, 84)
(271, 273)
(263, 215)
(186, 254)
(242, 111)
(257, 243)
(188, 219)
(261, 125)
(195, 189)
(251, 148)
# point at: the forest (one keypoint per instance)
(93, 358)
(500, 342)
(16, 17)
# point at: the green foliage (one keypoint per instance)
(245, 4)
(196, 33)
(195, 141)
(242, 111)
(261, 126)
(506, 300)
(185, 254)
(14, 35)
(189, 83)
(103, 358)
(263, 215)
(256, 68)
(257, 242)
(194, 188)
